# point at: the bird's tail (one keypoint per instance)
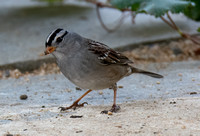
(136, 70)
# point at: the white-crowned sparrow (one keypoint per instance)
(89, 64)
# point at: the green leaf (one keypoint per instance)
(153, 7)
(50, 1)
(193, 12)
(198, 29)
(123, 4)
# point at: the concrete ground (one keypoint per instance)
(168, 106)
(141, 118)
(149, 106)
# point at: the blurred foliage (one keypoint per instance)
(193, 12)
(198, 29)
(153, 7)
(51, 1)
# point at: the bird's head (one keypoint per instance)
(54, 40)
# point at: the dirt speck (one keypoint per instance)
(193, 79)
(79, 131)
(118, 126)
(23, 97)
(79, 89)
(183, 127)
(120, 86)
(192, 93)
(76, 116)
(172, 102)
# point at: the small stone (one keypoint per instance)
(100, 92)
(183, 127)
(77, 88)
(120, 86)
(110, 113)
(157, 82)
(68, 90)
(17, 73)
(180, 74)
(23, 97)
(43, 106)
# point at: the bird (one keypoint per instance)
(89, 64)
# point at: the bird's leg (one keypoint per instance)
(114, 108)
(75, 104)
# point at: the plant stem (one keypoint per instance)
(171, 23)
(102, 23)
(174, 26)
(167, 22)
(100, 4)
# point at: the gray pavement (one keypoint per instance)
(180, 79)
(24, 27)
(148, 106)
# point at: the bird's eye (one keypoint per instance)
(59, 39)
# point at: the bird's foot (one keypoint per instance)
(115, 108)
(73, 106)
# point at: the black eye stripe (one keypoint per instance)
(59, 39)
(52, 36)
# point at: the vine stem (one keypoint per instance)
(175, 27)
(103, 24)
(169, 17)
(100, 4)
(171, 23)
(167, 22)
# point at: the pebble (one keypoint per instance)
(110, 113)
(23, 97)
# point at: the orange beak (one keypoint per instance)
(49, 50)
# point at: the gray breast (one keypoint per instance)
(86, 72)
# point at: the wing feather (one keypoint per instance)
(107, 55)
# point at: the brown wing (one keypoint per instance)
(107, 55)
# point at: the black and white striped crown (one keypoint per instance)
(55, 36)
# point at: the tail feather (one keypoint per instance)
(136, 70)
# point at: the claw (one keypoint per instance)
(73, 106)
(62, 108)
(104, 112)
(114, 108)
